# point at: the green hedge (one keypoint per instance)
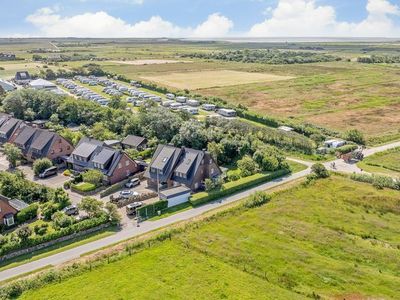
(346, 149)
(151, 210)
(28, 213)
(36, 240)
(235, 186)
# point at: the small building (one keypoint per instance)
(134, 142)
(228, 113)
(9, 209)
(7, 86)
(41, 84)
(112, 143)
(176, 195)
(286, 128)
(22, 77)
(334, 143)
(209, 107)
(7, 56)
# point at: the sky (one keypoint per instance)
(200, 18)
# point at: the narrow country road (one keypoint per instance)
(130, 230)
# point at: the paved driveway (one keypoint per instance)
(52, 181)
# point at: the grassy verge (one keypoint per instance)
(3, 282)
(333, 239)
(296, 167)
(386, 163)
(60, 247)
(172, 211)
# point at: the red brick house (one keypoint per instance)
(38, 143)
(9, 209)
(92, 154)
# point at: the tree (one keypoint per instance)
(355, 136)
(91, 206)
(93, 176)
(269, 159)
(24, 232)
(247, 166)
(113, 214)
(117, 103)
(61, 198)
(319, 171)
(192, 134)
(40, 165)
(61, 220)
(13, 154)
(215, 150)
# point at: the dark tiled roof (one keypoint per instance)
(187, 162)
(133, 140)
(24, 136)
(9, 125)
(85, 150)
(104, 156)
(42, 139)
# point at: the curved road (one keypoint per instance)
(130, 230)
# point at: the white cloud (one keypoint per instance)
(101, 24)
(307, 18)
(215, 26)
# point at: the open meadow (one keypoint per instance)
(333, 239)
(386, 163)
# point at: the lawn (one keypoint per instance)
(207, 79)
(387, 163)
(334, 239)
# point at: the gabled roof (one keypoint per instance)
(41, 83)
(104, 156)
(133, 140)
(42, 139)
(187, 166)
(9, 125)
(86, 147)
(22, 75)
(25, 135)
(164, 158)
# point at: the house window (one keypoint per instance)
(212, 171)
(52, 151)
(127, 163)
(210, 161)
(61, 150)
(119, 166)
(68, 147)
(9, 220)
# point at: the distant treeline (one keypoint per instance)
(266, 56)
(379, 59)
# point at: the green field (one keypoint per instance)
(387, 163)
(334, 239)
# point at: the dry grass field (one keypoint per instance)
(207, 79)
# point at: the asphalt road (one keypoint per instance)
(131, 230)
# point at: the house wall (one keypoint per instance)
(122, 171)
(5, 209)
(60, 147)
(206, 170)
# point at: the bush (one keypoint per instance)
(48, 209)
(67, 172)
(91, 206)
(61, 220)
(378, 181)
(346, 149)
(235, 186)
(355, 136)
(151, 210)
(257, 199)
(40, 165)
(24, 232)
(319, 171)
(247, 166)
(234, 175)
(94, 177)
(40, 229)
(28, 213)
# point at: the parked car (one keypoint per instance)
(131, 208)
(132, 183)
(48, 172)
(71, 210)
(128, 194)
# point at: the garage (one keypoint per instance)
(176, 195)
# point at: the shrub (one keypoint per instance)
(91, 206)
(61, 220)
(28, 213)
(94, 177)
(378, 181)
(247, 166)
(24, 232)
(234, 175)
(48, 209)
(257, 199)
(40, 165)
(40, 229)
(346, 149)
(112, 212)
(319, 171)
(355, 136)
(67, 172)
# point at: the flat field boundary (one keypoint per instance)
(208, 79)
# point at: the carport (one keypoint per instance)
(175, 195)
